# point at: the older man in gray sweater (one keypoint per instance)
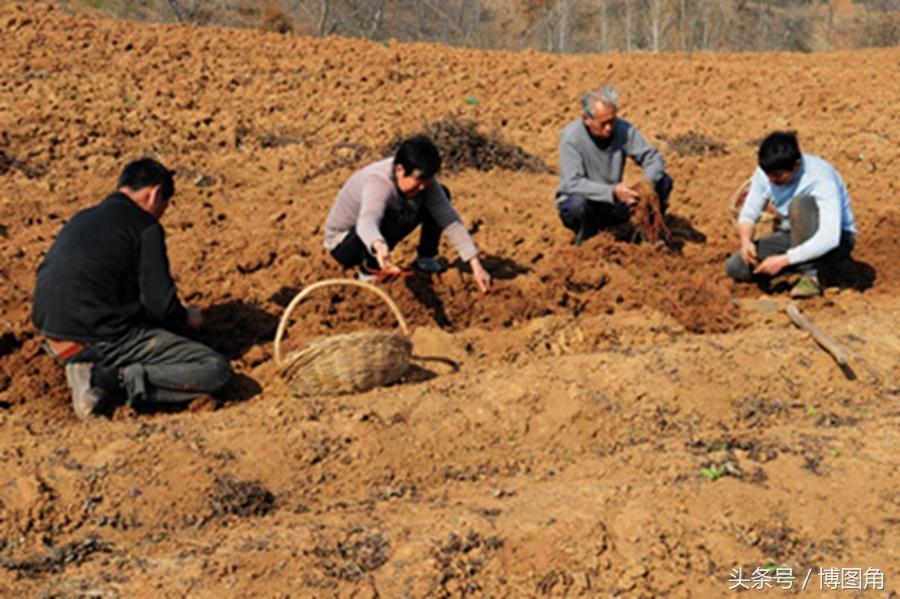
(592, 153)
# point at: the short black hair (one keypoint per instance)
(147, 172)
(779, 151)
(418, 153)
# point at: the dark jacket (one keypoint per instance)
(106, 272)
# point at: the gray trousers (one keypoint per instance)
(803, 218)
(158, 365)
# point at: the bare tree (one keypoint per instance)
(604, 25)
(629, 25)
(658, 18)
(450, 21)
(366, 16)
(565, 13)
(561, 25)
(881, 23)
(319, 12)
(187, 10)
(707, 10)
(687, 20)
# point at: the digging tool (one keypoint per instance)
(797, 317)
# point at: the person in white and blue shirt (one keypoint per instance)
(816, 224)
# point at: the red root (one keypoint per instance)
(647, 216)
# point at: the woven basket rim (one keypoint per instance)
(741, 193)
(282, 324)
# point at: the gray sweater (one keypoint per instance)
(370, 191)
(592, 170)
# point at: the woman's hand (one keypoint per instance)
(482, 277)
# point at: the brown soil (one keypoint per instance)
(550, 438)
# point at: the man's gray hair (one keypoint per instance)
(606, 95)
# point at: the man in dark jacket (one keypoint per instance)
(107, 306)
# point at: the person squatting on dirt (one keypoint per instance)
(107, 306)
(383, 202)
(815, 224)
(592, 153)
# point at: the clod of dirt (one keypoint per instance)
(462, 146)
(460, 559)
(353, 557)
(346, 154)
(783, 543)
(9, 343)
(695, 144)
(754, 407)
(6, 163)
(241, 498)
(834, 420)
(31, 171)
(702, 306)
(74, 553)
(555, 578)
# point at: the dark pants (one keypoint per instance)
(156, 365)
(587, 217)
(803, 216)
(394, 227)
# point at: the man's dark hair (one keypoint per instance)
(418, 153)
(147, 172)
(779, 152)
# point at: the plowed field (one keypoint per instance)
(615, 419)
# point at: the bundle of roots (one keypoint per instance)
(647, 215)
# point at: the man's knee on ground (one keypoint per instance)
(216, 372)
(737, 269)
(572, 211)
(803, 207)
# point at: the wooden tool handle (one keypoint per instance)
(840, 356)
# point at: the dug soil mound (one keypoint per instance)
(613, 418)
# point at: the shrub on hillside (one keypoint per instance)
(272, 18)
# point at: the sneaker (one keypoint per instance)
(429, 265)
(806, 287)
(85, 399)
(365, 277)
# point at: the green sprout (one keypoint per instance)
(770, 566)
(713, 472)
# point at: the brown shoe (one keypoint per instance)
(85, 399)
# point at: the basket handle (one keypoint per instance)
(736, 195)
(282, 324)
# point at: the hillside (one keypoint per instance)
(551, 438)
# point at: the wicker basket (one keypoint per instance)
(737, 199)
(352, 362)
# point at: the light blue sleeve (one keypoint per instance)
(828, 236)
(756, 200)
